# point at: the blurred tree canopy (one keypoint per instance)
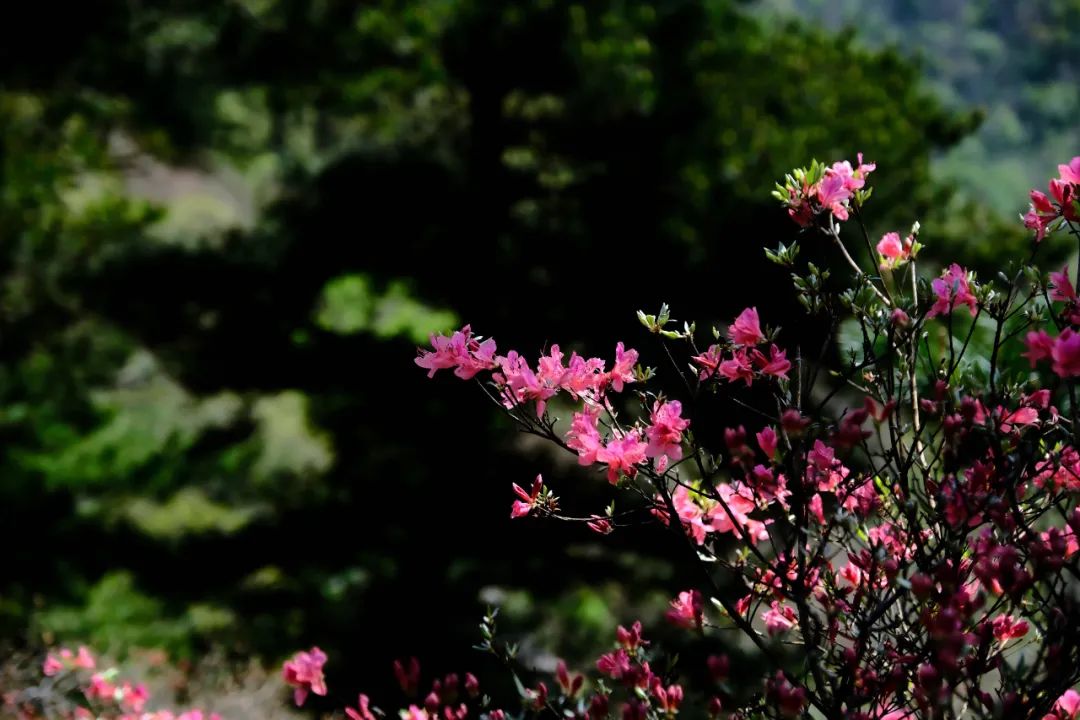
(1013, 59)
(225, 225)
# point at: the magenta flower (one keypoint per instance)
(1061, 288)
(305, 673)
(779, 618)
(583, 437)
(952, 289)
(1066, 354)
(524, 506)
(738, 367)
(467, 354)
(776, 364)
(1007, 628)
(665, 432)
(623, 372)
(1040, 214)
(690, 514)
(767, 442)
(1070, 173)
(833, 193)
(746, 330)
(362, 711)
(687, 610)
(892, 251)
(708, 361)
(1067, 706)
(622, 455)
(1039, 346)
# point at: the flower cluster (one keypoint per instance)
(1046, 214)
(810, 192)
(77, 686)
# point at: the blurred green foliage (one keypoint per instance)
(1015, 60)
(225, 225)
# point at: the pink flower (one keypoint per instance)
(665, 432)
(1040, 215)
(51, 666)
(833, 194)
(816, 508)
(893, 253)
(583, 377)
(1007, 628)
(520, 384)
(746, 330)
(1070, 173)
(690, 514)
(583, 437)
(1039, 346)
(788, 698)
(100, 688)
(599, 524)
(776, 364)
(614, 664)
(952, 289)
(767, 442)
(362, 712)
(1066, 354)
(305, 673)
(686, 610)
(467, 354)
(738, 367)
(524, 506)
(779, 618)
(622, 455)
(708, 361)
(1061, 289)
(623, 372)
(900, 318)
(1067, 706)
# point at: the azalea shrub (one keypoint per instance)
(895, 534)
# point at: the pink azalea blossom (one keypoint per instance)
(1007, 628)
(738, 367)
(1039, 346)
(614, 664)
(1040, 215)
(952, 289)
(1061, 288)
(779, 618)
(833, 194)
(583, 437)
(305, 673)
(767, 442)
(691, 515)
(1067, 706)
(520, 384)
(461, 351)
(746, 330)
(708, 361)
(362, 711)
(665, 432)
(892, 251)
(686, 610)
(776, 364)
(1070, 173)
(583, 377)
(623, 372)
(51, 666)
(524, 506)
(1066, 354)
(622, 455)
